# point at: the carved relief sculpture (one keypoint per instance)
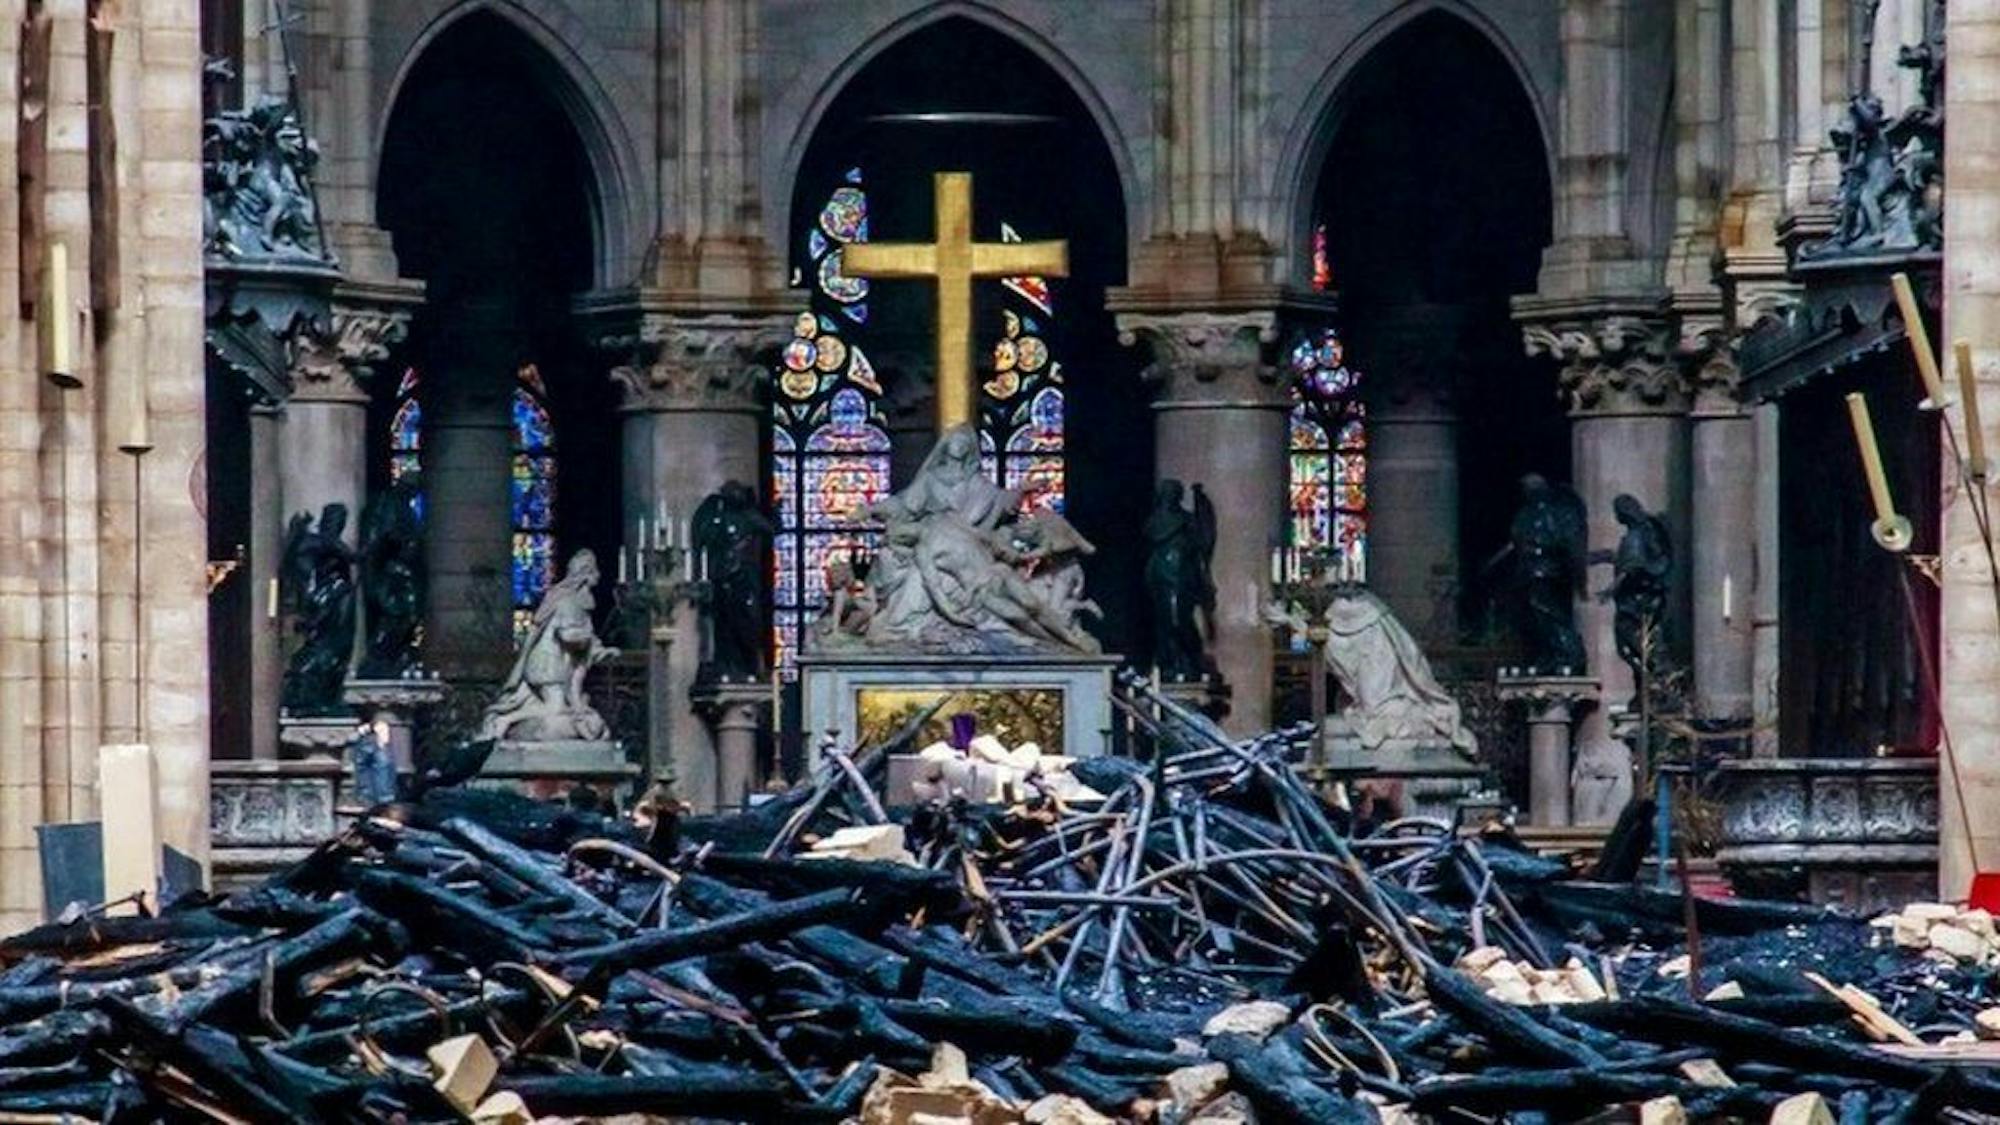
(259, 202)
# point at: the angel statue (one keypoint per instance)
(1180, 590)
(732, 535)
(393, 581)
(318, 572)
(542, 699)
(1545, 557)
(1640, 568)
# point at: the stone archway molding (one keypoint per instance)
(577, 72)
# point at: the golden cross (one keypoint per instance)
(955, 260)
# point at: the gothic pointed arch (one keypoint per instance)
(851, 410)
(565, 63)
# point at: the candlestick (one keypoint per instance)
(1891, 530)
(58, 320)
(1920, 341)
(1968, 389)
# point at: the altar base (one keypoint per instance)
(397, 703)
(1063, 703)
(549, 770)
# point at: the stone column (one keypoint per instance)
(736, 753)
(267, 543)
(1969, 832)
(1721, 561)
(693, 410)
(468, 446)
(325, 458)
(1408, 359)
(1629, 434)
(1219, 420)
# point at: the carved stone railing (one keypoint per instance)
(1856, 832)
(264, 815)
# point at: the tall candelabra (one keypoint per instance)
(658, 570)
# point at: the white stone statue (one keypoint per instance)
(1393, 696)
(542, 699)
(958, 571)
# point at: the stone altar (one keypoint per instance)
(1856, 832)
(969, 595)
(836, 688)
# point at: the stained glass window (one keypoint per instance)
(1322, 263)
(406, 437)
(1022, 416)
(829, 445)
(532, 493)
(1328, 487)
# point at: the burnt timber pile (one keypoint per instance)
(1212, 942)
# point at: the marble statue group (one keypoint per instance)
(961, 571)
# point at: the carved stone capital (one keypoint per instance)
(1707, 355)
(1615, 363)
(708, 362)
(332, 358)
(1207, 357)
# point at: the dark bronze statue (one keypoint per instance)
(1545, 553)
(1180, 591)
(732, 537)
(1640, 569)
(1891, 194)
(394, 584)
(319, 579)
(259, 201)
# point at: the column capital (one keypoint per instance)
(331, 359)
(705, 362)
(1613, 360)
(1208, 357)
(1707, 356)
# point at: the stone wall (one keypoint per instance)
(102, 598)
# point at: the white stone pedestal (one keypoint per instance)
(315, 738)
(548, 770)
(1552, 703)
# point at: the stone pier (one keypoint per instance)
(1219, 421)
(1969, 833)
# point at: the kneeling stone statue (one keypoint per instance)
(542, 699)
(1394, 699)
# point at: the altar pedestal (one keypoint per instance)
(1551, 703)
(549, 770)
(731, 711)
(1055, 700)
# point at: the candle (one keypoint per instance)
(1968, 389)
(58, 323)
(621, 565)
(641, 544)
(659, 534)
(666, 517)
(1277, 567)
(777, 704)
(1728, 593)
(1920, 340)
(639, 563)
(271, 600)
(1871, 458)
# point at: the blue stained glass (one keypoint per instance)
(532, 428)
(407, 386)
(406, 430)
(533, 491)
(815, 244)
(857, 312)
